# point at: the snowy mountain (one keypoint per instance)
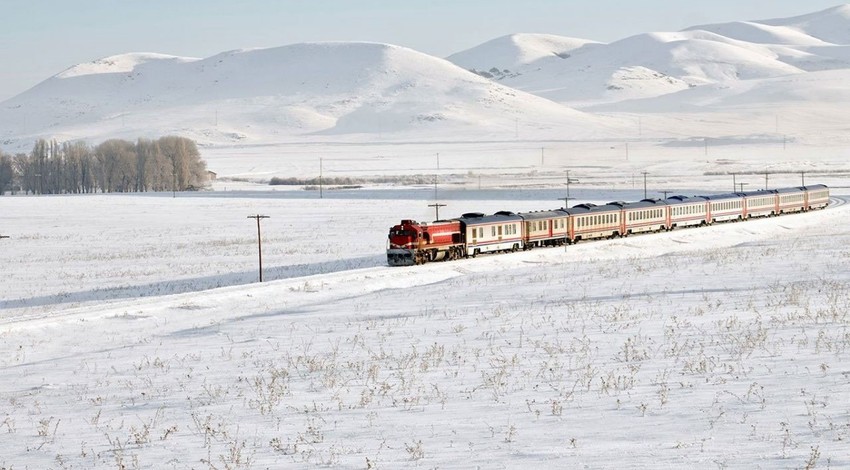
(660, 63)
(265, 94)
(830, 25)
(507, 55)
(519, 84)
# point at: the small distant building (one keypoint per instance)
(211, 175)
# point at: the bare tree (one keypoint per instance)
(6, 173)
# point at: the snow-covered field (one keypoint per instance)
(718, 347)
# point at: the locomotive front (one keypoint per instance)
(403, 239)
(414, 243)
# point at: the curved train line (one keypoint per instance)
(474, 233)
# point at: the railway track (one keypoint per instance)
(835, 201)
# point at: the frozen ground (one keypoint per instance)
(717, 347)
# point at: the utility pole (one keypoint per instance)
(438, 160)
(568, 185)
(765, 181)
(734, 184)
(259, 241)
(644, 183)
(566, 201)
(321, 191)
(741, 185)
(665, 193)
(437, 207)
(803, 177)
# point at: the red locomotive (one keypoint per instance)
(414, 243)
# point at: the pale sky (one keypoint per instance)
(40, 38)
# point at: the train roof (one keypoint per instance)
(680, 199)
(815, 187)
(537, 215)
(473, 218)
(588, 208)
(717, 197)
(761, 192)
(643, 204)
(790, 190)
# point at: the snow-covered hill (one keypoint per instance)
(524, 86)
(659, 63)
(510, 54)
(262, 95)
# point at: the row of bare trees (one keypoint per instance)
(165, 164)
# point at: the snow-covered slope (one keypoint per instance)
(659, 63)
(524, 85)
(509, 54)
(264, 94)
(830, 25)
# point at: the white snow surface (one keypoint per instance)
(721, 346)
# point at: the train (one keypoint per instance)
(474, 233)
